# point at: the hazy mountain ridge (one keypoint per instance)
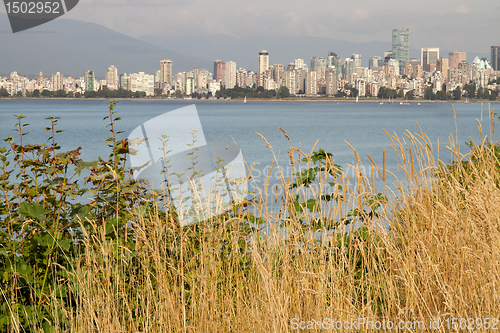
(73, 47)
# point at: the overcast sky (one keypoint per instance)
(468, 25)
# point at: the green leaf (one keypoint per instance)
(35, 210)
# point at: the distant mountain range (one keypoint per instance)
(73, 47)
(282, 50)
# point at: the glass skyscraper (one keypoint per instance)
(495, 58)
(401, 47)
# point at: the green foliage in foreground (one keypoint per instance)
(44, 225)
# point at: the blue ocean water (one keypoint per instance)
(329, 123)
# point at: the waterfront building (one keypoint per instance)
(165, 74)
(112, 78)
(125, 81)
(291, 81)
(229, 75)
(219, 67)
(311, 83)
(89, 81)
(429, 58)
(331, 81)
(279, 70)
(401, 47)
(57, 82)
(189, 85)
(263, 61)
(142, 82)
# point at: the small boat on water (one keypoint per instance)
(245, 100)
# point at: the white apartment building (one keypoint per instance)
(142, 82)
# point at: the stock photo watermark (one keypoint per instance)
(24, 15)
(356, 324)
(201, 179)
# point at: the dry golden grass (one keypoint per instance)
(439, 259)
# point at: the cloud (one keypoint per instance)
(360, 15)
(462, 9)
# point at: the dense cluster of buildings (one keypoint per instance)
(323, 76)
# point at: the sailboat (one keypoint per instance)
(357, 98)
(245, 100)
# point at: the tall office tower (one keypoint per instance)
(291, 81)
(125, 81)
(442, 65)
(495, 58)
(190, 85)
(349, 66)
(263, 61)
(57, 82)
(112, 78)
(374, 62)
(429, 58)
(165, 73)
(311, 83)
(88, 80)
(279, 69)
(229, 75)
(331, 81)
(319, 65)
(357, 60)
(456, 58)
(401, 47)
(219, 66)
(387, 56)
(333, 60)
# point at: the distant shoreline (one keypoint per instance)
(296, 99)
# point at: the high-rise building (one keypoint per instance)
(374, 62)
(291, 81)
(229, 75)
(443, 66)
(495, 58)
(125, 81)
(334, 60)
(88, 80)
(331, 81)
(112, 78)
(165, 73)
(279, 69)
(455, 58)
(299, 64)
(357, 60)
(219, 67)
(387, 56)
(189, 85)
(142, 82)
(263, 61)
(429, 58)
(311, 83)
(401, 46)
(349, 66)
(57, 82)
